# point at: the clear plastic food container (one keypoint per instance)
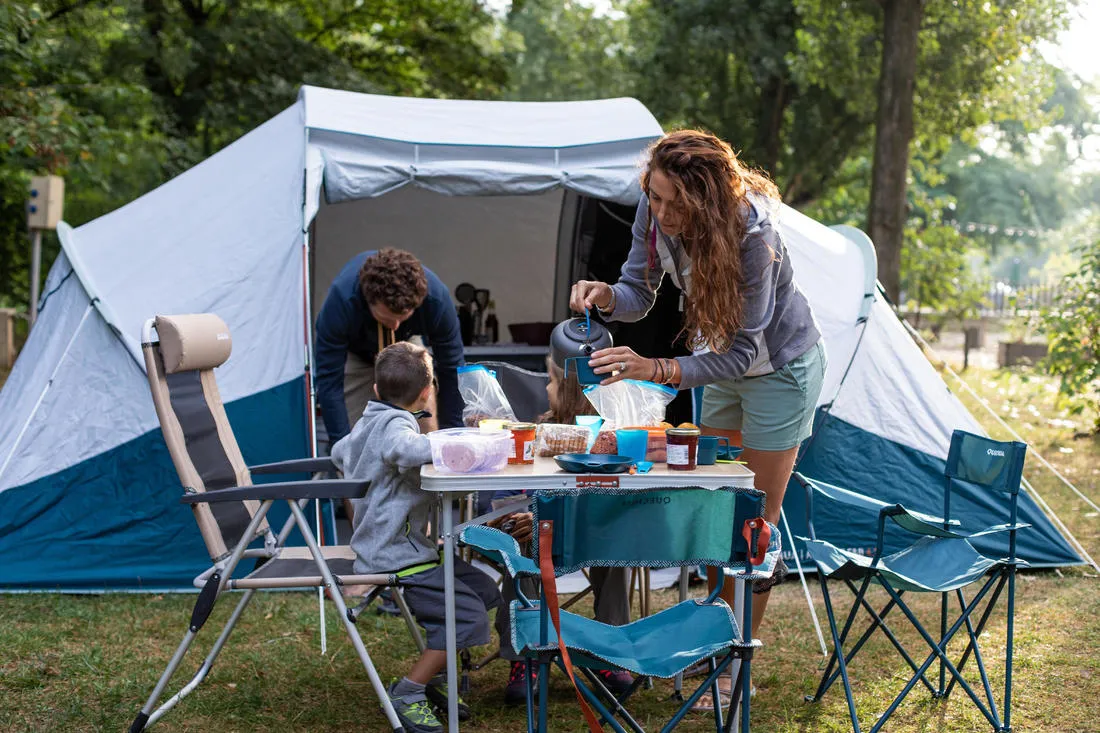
(470, 450)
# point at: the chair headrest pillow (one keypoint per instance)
(193, 342)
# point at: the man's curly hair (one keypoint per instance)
(394, 278)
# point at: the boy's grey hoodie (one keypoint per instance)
(386, 447)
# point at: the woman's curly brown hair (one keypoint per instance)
(712, 189)
(394, 278)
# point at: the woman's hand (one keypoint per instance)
(623, 360)
(589, 294)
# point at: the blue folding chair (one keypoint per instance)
(941, 561)
(607, 527)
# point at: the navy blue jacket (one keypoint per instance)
(345, 324)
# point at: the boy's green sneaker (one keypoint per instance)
(436, 690)
(415, 712)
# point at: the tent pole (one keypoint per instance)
(45, 389)
(805, 588)
(1043, 505)
(311, 409)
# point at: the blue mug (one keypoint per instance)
(707, 452)
(713, 449)
(578, 365)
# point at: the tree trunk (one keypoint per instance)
(893, 132)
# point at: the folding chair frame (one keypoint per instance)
(230, 511)
(1002, 574)
(219, 580)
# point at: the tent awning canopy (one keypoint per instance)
(478, 123)
(366, 145)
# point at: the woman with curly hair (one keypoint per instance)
(709, 222)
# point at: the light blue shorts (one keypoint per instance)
(774, 412)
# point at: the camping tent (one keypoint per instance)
(885, 417)
(88, 495)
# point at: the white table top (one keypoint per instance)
(545, 474)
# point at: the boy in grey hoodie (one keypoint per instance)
(386, 447)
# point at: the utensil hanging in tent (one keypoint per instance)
(464, 294)
(481, 302)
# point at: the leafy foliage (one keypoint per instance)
(568, 50)
(120, 96)
(953, 92)
(1072, 327)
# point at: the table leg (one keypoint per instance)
(449, 610)
(678, 683)
(746, 633)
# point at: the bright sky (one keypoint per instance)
(1076, 49)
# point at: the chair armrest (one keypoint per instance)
(296, 465)
(499, 546)
(920, 523)
(913, 521)
(330, 489)
(1000, 528)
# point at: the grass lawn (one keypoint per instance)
(86, 663)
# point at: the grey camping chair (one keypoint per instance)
(229, 509)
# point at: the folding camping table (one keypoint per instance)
(545, 474)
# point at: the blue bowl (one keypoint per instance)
(593, 463)
(729, 452)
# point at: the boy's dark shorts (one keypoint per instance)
(475, 595)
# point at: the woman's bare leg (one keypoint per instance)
(773, 470)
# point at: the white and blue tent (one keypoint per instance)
(88, 494)
(885, 416)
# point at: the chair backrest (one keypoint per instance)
(525, 390)
(990, 464)
(180, 367)
(648, 528)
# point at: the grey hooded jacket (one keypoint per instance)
(778, 325)
(386, 447)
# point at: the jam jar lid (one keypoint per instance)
(682, 432)
(519, 426)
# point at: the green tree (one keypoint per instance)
(568, 50)
(736, 68)
(120, 96)
(1072, 327)
(941, 69)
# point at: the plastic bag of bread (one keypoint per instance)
(553, 439)
(630, 402)
(483, 397)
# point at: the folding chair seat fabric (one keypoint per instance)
(930, 564)
(653, 646)
(229, 509)
(525, 390)
(942, 560)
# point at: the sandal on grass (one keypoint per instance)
(705, 704)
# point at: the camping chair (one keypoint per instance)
(941, 561)
(229, 510)
(636, 528)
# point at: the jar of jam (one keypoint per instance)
(683, 444)
(523, 442)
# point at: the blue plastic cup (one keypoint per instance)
(593, 423)
(632, 443)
